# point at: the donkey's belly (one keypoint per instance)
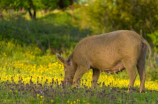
(115, 69)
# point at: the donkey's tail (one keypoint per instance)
(149, 57)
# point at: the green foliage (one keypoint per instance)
(49, 4)
(109, 15)
(154, 38)
(54, 31)
(19, 4)
(66, 2)
(31, 6)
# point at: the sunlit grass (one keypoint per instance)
(29, 76)
(30, 67)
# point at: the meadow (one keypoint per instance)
(31, 74)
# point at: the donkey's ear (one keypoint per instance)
(61, 58)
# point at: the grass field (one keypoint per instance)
(30, 74)
(27, 77)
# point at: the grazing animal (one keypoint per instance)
(109, 53)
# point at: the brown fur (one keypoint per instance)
(110, 53)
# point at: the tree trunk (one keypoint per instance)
(32, 10)
(32, 15)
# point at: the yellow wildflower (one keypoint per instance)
(84, 101)
(52, 101)
(37, 95)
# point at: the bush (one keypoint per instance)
(53, 33)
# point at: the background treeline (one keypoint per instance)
(32, 6)
(56, 24)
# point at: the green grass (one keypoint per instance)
(37, 93)
(54, 31)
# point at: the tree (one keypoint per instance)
(32, 6)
